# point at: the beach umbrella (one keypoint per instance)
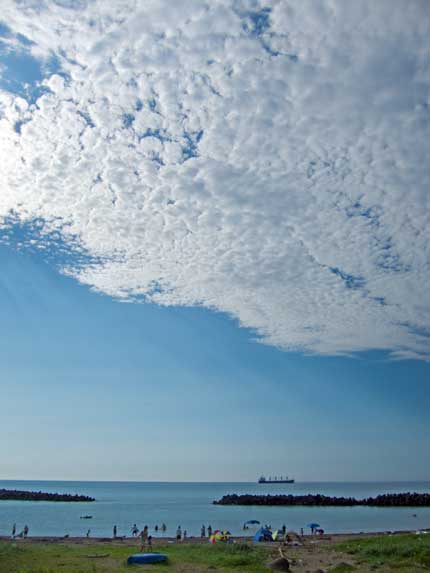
(252, 522)
(220, 536)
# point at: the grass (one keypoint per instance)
(72, 558)
(382, 554)
(343, 568)
(400, 553)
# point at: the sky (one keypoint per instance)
(214, 239)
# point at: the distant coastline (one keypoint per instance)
(384, 500)
(18, 495)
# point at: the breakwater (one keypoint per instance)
(14, 494)
(384, 500)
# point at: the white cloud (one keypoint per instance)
(269, 160)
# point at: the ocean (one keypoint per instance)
(190, 505)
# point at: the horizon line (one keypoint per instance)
(206, 481)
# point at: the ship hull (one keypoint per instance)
(276, 481)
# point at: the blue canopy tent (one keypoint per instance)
(262, 535)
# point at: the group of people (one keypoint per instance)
(146, 539)
(203, 531)
(135, 529)
(23, 533)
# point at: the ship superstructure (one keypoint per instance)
(275, 479)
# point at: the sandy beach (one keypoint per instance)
(132, 541)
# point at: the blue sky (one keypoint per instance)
(214, 239)
(96, 389)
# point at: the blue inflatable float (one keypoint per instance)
(146, 558)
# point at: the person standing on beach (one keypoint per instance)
(203, 531)
(25, 530)
(209, 530)
(163, 528)
(149, 542)
(179, 533)
(13, 530)
(284, 529)
(114, 531)
(184, 537)
(134, 530)
(156, 528)
(144, 537)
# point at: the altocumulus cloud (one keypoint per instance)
(265, 159)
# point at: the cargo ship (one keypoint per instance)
(275, 479)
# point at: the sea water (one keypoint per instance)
(190, 505)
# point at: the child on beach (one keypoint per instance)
(144, 536)
(150, 543)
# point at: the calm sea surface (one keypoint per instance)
(190, 505)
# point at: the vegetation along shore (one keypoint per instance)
(14, 494)
(384, 500)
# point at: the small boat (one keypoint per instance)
(147, 558)
(86, 517)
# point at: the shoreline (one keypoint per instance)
(198, 540)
